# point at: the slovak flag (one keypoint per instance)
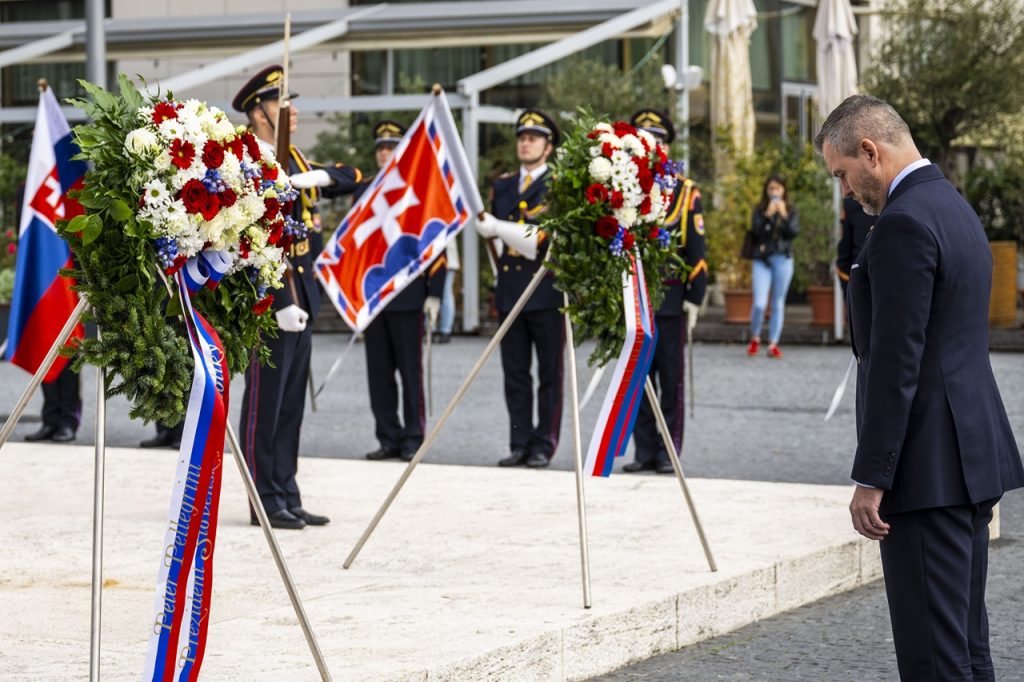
(417, 203)
(43, 300)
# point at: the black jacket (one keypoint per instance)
(774, 235)
(931, 427)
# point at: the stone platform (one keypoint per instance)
(473, 574)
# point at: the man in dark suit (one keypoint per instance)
(935, 451)
(517, 203)
(394, 341)
(275, 394)
(675, 319)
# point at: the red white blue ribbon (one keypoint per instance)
(185, 577)
(622, 401)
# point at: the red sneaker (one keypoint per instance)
(774, 352)
(755, 345)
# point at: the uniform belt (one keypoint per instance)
(299, 248)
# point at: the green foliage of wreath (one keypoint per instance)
(141, 344)
(586, 270)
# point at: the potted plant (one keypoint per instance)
(814, 250)
(994, 190)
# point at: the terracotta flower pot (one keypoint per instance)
(823, 311)
(1002, 307)
(737, 305)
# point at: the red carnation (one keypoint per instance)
(251, 145)
(213, 154)
(276, 230)
(182, 153)
(628, 241)
(286, 242)
(597, 193)
(653, 234)
(193, 195)
(647, 147)
(164, 111)
(645, 205)
(255, 184)
(622, 128)
(269, 172)
(288, 206)
(272, 207)
(616, 199)
(593, 134)
(228, 198)
(211, 207)
(263, 304)
(662, 156)
(244, 247)
(236, 146)
(606, 227)
(607, 150)
(645, 178)
(659, 168)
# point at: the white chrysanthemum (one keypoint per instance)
(191, 126)
(253, 206)
(190, 244)
(155, 193)
(632, 144)
(604, 127)
(648, 138)
(221, 129)
(141, 142)
(595, 151)
(211, 230)
(145, 114)
(162, 162)
(171, 128)
(610, 138)
(626, 216)
(600, 169)
(231, 171)
(175, 218)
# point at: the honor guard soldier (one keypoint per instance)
(394, 341)
(518, 202)
(275, 394)
(677, 315)
(856, 225)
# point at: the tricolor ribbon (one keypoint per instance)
(185, 577)
(621, 403)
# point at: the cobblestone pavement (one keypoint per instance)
(755, 419)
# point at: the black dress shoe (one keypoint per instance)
(665, 467)
(310, 519)
(537, 460)
(440, 337)
(517, 458)
(634, 467)
(382, 453)
(64, 434)
(45, 432)
(160, 440)
(283, 518)
(407, 455)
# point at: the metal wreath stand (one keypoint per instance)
(577, 451)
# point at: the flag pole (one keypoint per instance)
(659, 416)
(577, 454)
(97, 524)
(337, 364)
(44, 367)
(456, 399)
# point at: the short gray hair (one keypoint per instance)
(859, 117)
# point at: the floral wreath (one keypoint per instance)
(171, 181)
(611, 189)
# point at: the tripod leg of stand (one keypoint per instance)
(456, 399)
(312, 393)
(97, 527)
(577, 454)
(275, 550)
(44, 367)
(659, 416)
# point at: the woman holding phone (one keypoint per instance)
(773, 225)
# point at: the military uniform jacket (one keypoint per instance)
(931, 427)
(685, 217)
(300, 286)
(515, 271)
(856, 225)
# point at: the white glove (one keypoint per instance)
(520, 236)
(691, 310)
(291, 318)
(309, 179)
(487, 226)
(432, 306)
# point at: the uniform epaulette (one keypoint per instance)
(509, 174)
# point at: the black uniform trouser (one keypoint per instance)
(543, 330)
(272, 410)
(174, 431)
(935, 563)
(394, 343)
(62, 400)
(668, 376)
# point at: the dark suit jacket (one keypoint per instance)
(931, 427)
(514, 271)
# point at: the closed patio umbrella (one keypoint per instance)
(732, 100)
(834, 29)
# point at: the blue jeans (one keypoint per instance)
(447, 304)
(775, 274)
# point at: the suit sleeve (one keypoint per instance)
(697, 279)
(346, 179)
(901, 263)
(435, 276)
